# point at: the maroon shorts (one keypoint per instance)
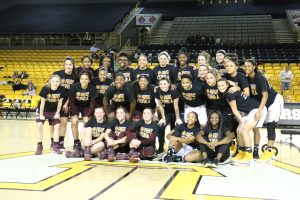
(49, 116)
(64, 114)
(84, 111)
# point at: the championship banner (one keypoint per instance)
(290, 116)
(146, 19)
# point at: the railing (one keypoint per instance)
(61, 39)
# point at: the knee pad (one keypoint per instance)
(271, 126)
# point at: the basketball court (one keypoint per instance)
(50, 176)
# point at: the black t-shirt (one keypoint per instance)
(79, 69)
(258, 85)
(240, 80)
(193, 97)
(101, 88)
(149, 72)
(164, 72)
(244, 103)
(66, 80)
(144, 131)
(216, 100)
(128, 73)
(82, 97)
(120, 97)
(183, 131)
(178, 72)
(97, 128)
(167, 99)
(118, 128)
(145, 98)
(215, 135)
(52, 97)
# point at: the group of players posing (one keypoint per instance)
(206, 108)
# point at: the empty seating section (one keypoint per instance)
(39, 64)
(248, 29)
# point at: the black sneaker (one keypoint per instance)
(77, 146)
(61, 145)
(176, 158)
(87, 155)
(255, 153)
(205, 162)
(214, 163)
(39, 150)
(169, 156)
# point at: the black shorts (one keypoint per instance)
(84, 111)
(49, 116)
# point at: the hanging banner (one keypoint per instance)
(294, 17)
(146, 19)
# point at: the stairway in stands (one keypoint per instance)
(160, 33)
(283, 32)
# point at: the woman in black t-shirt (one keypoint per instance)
(184, 68)
(67, 79)
(82, 100)
(102, 83)
(264, 93)
(141, 137)
(240, 103)
(214, 141)
(167, 103)
(144, 95)
(193, 98)
(119, 95)
(164, 69)
(106, 62)
(87, 63)
(234, 77)
(216, 101)
(92, 135)
(201, 74)
(49, 108)
(182, 141)
(117, 144)
(143, 69)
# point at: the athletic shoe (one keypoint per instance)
(268, 155)
(56, 149)
(111, 156)
(214, 163)
(77, 145)
(134, 157)
(170, 153)
(61, 145)
(74, 154)
(102, 155)
(247, 158)
(122, 156)
(205, 162)
(176, 158)
(39, 150)
(87, 154)
(255, 153)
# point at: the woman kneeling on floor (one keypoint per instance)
(182, 141)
